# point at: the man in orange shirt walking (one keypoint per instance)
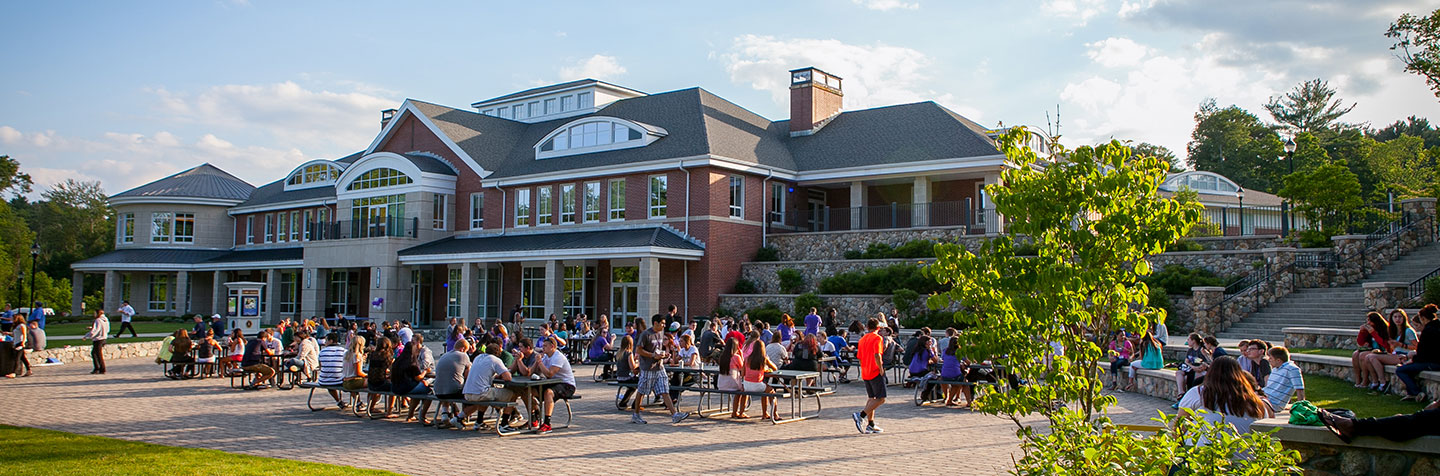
(872, 371)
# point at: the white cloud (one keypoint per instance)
(290, 114)
(595, 67)
(1129, 8)
(874, 75)
(8, 135)
(887, 5)
(1117, 52)
(1080, 10)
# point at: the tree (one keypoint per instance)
(1307, 108)
(1234, 143)
(1164, 153)
(1094, 218)
(1411, 126)
(1405, 166)
(1326, 195)
(73, 222)
(11, 180)
(1418, 41)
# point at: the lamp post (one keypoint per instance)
(34, 256)
(1286, 219)
(19, 289)
(1240, 195)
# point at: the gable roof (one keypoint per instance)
(274, 192)
(890, 135)
(202, 181)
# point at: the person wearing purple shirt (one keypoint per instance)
(920, 363)
(812, 322)
(600, 348)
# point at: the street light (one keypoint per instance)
(1286, 218)
(34, 256)
(1240, 195)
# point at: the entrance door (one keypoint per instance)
(818, 219)
(624, 304)
(376, 227)
(420, 297)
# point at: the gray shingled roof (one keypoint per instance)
(202, 181)
(430, 164)
(890, 135)
(152, 256)
(263, 254)
(559, 240)
(546, 89)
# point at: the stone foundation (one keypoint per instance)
(850, 306)
(1339, 367)
(1155, 383)
(767, 280)
(1238, 242)
(1321, 453)
(832, 245)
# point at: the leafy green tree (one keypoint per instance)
(1234, 143)
(11, 179)
(1411, 126)
(1094, 218)
(72, 223)
(1418, 41)
(1307, 108)
(1147, 149)
(1405, 166)
(1327, 196)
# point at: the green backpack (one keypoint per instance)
(1304, 413)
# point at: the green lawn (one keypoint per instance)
(1332, 352)
(79, 328)
(31, 451)
(51, 344)
(1329, 392)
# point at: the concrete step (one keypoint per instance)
(1269, 313)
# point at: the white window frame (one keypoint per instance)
(477, 213)
(440, 208)
(591, 205)
(156, 234)
(737, 196)
(659, 202)
(616, 213)
(282, 226)
(454, 284)
(567, 204)
(269, 227)
(164, 304)
(777, 202)
(175, 236)
(250, 229)
(125, 228)
(522, 207)
(544, 206)
(309, 224)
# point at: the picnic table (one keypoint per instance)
(576, 347)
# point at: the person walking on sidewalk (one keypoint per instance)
(872, 371)
(653, 379)
(126, 313)
(98, 331)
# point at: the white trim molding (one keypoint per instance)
(578, 253)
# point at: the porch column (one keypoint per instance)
(77, 293)
(994, 223)
(219, 295)
(182, 291)
(920, 202)
(649, 294)
(112, 291)
(393, 284)
(554, 287)
(857, 204)
(469, 291)
(272, 296)
(312, 291)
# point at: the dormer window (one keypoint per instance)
(596, 135)
(382, 177)
(313, 175)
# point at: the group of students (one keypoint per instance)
(1392, 340)
(24, 337)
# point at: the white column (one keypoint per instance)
(998, 225)
(312, 291)
(649, 294)
(469, 291)
(857, 202)
(182, 291)
(920, 202)
(77, 293)
(112, 291)
(219, 294)
(554, 287)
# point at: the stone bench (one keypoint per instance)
(1319, 338)
(1323, 453)
(1339, 367)
(1154, 383)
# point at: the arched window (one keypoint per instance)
(313, 175)
(382, 177)
(595, 135)
(1203, 182)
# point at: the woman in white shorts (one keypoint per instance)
(756, 365)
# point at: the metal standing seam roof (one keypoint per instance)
(152, 256)
(257, 255)
(559, 240)
(201, 181)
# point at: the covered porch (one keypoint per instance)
(951, 199)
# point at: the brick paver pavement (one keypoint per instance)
(133, 402)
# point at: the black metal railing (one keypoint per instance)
(888, 216)
(1417, 287)
(369, 228)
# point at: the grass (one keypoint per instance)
(1331, 352)
(31, 451)
(52, 344)
(1330, 392)
(80, 328)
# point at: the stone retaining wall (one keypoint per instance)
(1237, 242)
(1339, 367)
(767, 280)
(1226, 263)
(850, 306)
(832, 245)
(74, 354)
(1319, 338)
(1321, 453)
(1154, 383)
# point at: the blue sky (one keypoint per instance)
(129, 92)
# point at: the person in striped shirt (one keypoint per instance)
(1284, 379)
(332, 365)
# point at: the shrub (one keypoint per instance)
(767, 253)
(854, 254)
(1315, 239)
(879, 251)
(1026, 249)
(935, 320)
(880, 281)
(1432, 290)
(911, 249)
(791, 281)
(768, 313)
(1177, 279)
(904, 300)
(1185, 245)
(1160, 300)
(804, 302)
(745, 286)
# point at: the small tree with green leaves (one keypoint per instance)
(1094, 217)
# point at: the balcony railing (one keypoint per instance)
(372, 228)
(894, 215)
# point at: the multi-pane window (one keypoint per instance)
(532, 292)
(126, 226)
(288, 291)
(295, 225)
(282, 226)
(488, 304)
(592, 202)
(550, 106)
(591, 134)
(324, 216)
(382, 177)
(269, 227)
(159, 293)
(250, 229)
(452, 290)
(309, 224)
(124, 287)
(617, 199)
(438, 210)
(587, 100)
(522, 207)
(184, 228)
(533, 109)
(567, 103)
(162, 226)
(777, 203)
(477, 210)
(657, 195)
(542, 206)
(737, 196)
(567, 204)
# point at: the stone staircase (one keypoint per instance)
(1340, 307)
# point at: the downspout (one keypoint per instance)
(687, 203)
(502, 210)
(764, 215)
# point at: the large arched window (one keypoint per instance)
(312, 175)
(596, 134)
(382, 177)
(1202, 182)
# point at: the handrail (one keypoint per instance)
(1417, 287)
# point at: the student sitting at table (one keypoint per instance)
(805, 355)
(838, 343)
(756, 366)
(924, 357)
(207, 351)
(527, 364)
(731, 369)
(775, 350)
(407, 377)
(480, 387)
(378, 379)
(953, 369)
(553, 364)
(626, 364)
(179, 354)
(449, 382)
(685, 355)
(253, 360)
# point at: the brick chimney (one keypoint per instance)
(386, 116)
(815, 98)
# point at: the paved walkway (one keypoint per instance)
(133, 402)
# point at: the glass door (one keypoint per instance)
(420, 297)
(624, 296)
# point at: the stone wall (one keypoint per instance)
(767, 280)
(1339, 367)
(832, 245)
(1385, 295)
(1238, 242)
(1154, 383)
(1226, 264)
(71, 354)
(853, 306)
(1321, 453)
(1319, 338)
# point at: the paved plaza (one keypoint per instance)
(134, 402)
